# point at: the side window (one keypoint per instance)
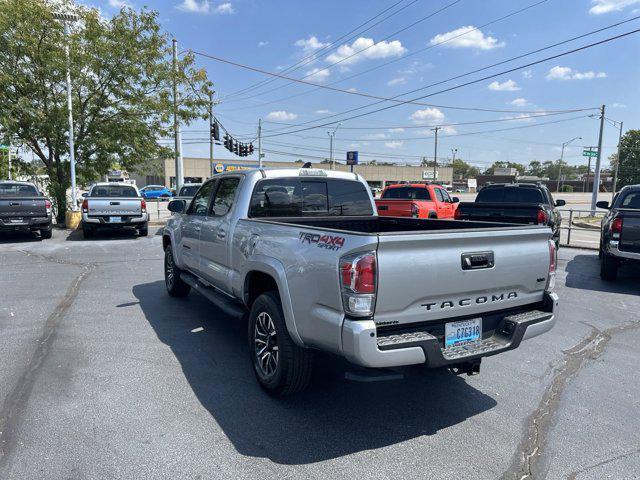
(200, 202)
(445, 195)
(223, 200)
(278, 197)
(439, 194)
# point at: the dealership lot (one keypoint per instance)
(102, 375)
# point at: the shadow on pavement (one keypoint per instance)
(333, 418)
(19, 237)
(583, 272)
(104, 234)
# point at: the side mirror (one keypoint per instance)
(603, 204)
(455, 200)
(560, 203)
(177, 206)
(84, 194)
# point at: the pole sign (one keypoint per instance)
(352, 158)
(589, 153)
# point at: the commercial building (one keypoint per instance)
(196, 170)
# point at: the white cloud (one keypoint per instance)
(354, 145)
(397, 81)
(263, 44)
(204, 6)
(369, 50)
(224, 9)
(119, 4)
(446, 130)
(415, 67)
(322, 111)
(396, 130)
(310, 45)
(317, 75)
(394, 144)
(527, 74)
(427, 115)
(352, 89)
(619, 105)
(606, 6)
(520, 102)
(567, 73)
(375, 136)
(281, 115)
(466, 37)
(506, 86)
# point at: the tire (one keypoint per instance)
(433, 215)
(87, 232)
(175, 286)
(287, 369)
(46, 233)
(608, 267)
(144, 230)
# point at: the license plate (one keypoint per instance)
(115, 219)
(16, 220)
(456, 333)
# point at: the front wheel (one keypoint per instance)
(281, 367)
(608, 267)
(176, 287)
(46, 233)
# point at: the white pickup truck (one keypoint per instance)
(304, 255)
(114, 205)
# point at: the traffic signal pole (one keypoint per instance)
(615, 174)
(176, 124)
(260, 142)
(435, 154)
(211, 132)
(596, 174)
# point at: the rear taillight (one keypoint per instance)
(542, 217)
(358, 277)
(457, 214)
(616, 228)
(551, 279)
(143, 206)
(85, 205)
(415, 211)
(47, 206)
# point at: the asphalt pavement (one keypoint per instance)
(102, 375)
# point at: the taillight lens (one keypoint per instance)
(85, 205)
(542, 217)
(551, 279)
(415, 211)
(143, 206)
(616, 227)
(358, 275)
(47, 206)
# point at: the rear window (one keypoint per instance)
(17, 190)
(294, 197)
(125, 191)
(510, 195)
(406, 193)
(630, 200)
(189, 191)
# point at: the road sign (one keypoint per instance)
(428, 175)
(352, 158)
(589, 153)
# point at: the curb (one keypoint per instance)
(589, 226)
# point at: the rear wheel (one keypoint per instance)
(433, 215)
(87, 231)
(608, 267)
(281, 367)
(144, 230)
(176, 287)
(46, 233)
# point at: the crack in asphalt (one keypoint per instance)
(574, 475)
(15, 403)
(531, 448)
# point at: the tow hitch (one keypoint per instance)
(470, 368)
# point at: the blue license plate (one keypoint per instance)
(464, 331)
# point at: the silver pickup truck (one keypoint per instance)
(305, 256)
(114, 205)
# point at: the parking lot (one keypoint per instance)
(103, 375)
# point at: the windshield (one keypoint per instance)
(18, 190)
(189, 190)
(406, 193)
(113, 191)
(510, 195)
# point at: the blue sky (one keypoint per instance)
(272, 35)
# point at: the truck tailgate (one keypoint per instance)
(394, 208)
(630, 236)
(23, 208)
(500, 212)
(114, 206)
(421, 276)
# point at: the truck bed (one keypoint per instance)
(520, 213)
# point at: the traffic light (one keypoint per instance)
(215, 131)
(251, 149)
(244, 150)
(228, 143)
(236, 148)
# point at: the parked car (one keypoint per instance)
(417, 200)
(620, 232)
(303, 254)
(188, 190)
(24, 208)
(114, 205)
(155, 191)
(524, 203)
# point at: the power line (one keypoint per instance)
(455, 87)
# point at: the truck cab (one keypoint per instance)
(416, 200)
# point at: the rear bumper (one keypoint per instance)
(33, 223)
(363, 346)
(102, 220)
(614, 250)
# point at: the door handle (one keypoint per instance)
(221, 234)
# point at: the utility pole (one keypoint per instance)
(435, 153)
(331, 137)
(176, 124)
(453, 155)
(596, 173)
(260, 142)
(211, 132)
(9, 156)
(560, 161)
(615, 175)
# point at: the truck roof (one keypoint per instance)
(525, 185)
(111, 184)
(16, 182)
(295, 172)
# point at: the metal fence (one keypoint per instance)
(575, 231)
(157, 209)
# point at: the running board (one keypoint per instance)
(227, 304)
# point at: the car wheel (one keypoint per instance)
(176, 287)
(281, 367)
(87, 232)
(433, 215)
(144, 230)
(46, 233)
(608, 267)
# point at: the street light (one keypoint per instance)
(331, 137)
(560, 161)
(67, 18)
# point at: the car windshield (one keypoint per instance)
(188, 190)
(17, 190)
(510, 195)
(124, 191)
(406, 193)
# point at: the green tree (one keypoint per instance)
(520, 168)
(121, 72)
(629, 169)
(463, 169)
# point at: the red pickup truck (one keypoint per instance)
(417, 200)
